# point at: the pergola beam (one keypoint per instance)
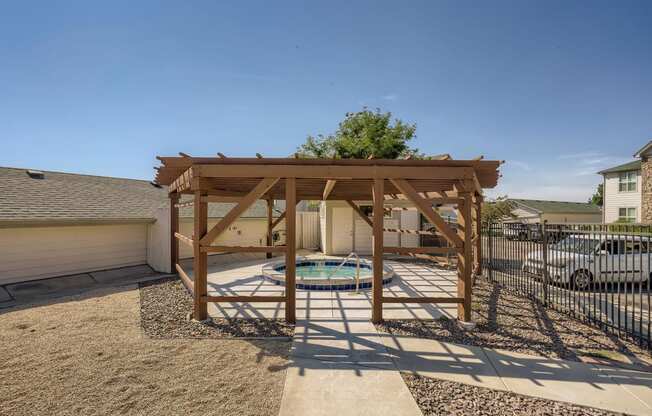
(477, 246)
(464, 259)
(258, 191)
(270, 228)
(358, 211)
(185, 279)
(290, 252)
(332, 172)
(243, 249)
(182, 182)
(330, 184)
(404, 231)
(184, 239)
(200, 260)
(378, 220)
(239, 299)
(420, 250)
(278, 220)
(174, 228)
(222, 199)
(427, 211)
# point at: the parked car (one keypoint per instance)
(583, 259)
(521, 232)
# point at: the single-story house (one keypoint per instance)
(627, 189)
(532, 211)
(54, 224)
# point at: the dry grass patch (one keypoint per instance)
(88, 355)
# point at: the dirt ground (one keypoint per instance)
(88, 355)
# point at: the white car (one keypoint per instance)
(583, 259)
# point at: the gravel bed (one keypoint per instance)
(164, 310)
(439, 397)
(508, 321)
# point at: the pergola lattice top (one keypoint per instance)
(350, 179)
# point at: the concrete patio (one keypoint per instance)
(244, 278)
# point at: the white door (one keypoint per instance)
(342, 230)
(363, 237)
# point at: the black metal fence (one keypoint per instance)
(597, 273)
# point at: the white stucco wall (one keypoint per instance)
(361, 238)
(243, 232)
(409, 221)
(322, 227)
(613, 199)
(158, 242)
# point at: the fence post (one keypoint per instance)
(491, 250)
(544, 240)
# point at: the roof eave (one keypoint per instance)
(527, 206)
(56, 222)
(643, 149)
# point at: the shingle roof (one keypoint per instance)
(633, 165)
(558, 206)
(643, 149)
(68, 197)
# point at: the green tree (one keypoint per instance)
(362, 135)
(597, 198)
(497, 210)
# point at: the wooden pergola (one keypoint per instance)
(243, 181)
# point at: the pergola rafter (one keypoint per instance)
(421, 183)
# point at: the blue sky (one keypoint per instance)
(559, 90)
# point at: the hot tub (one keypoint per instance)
(327, 274)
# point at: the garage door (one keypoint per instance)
(39, 252)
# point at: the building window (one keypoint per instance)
(626, 214)
(368, 210)
(627, 181)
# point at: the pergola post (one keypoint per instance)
(270, 228)
(377, 286)
(200, 261)
(477, 255)
(174, 228)
(290, 248)
(464, 257)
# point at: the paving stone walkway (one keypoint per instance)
(340, 367)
